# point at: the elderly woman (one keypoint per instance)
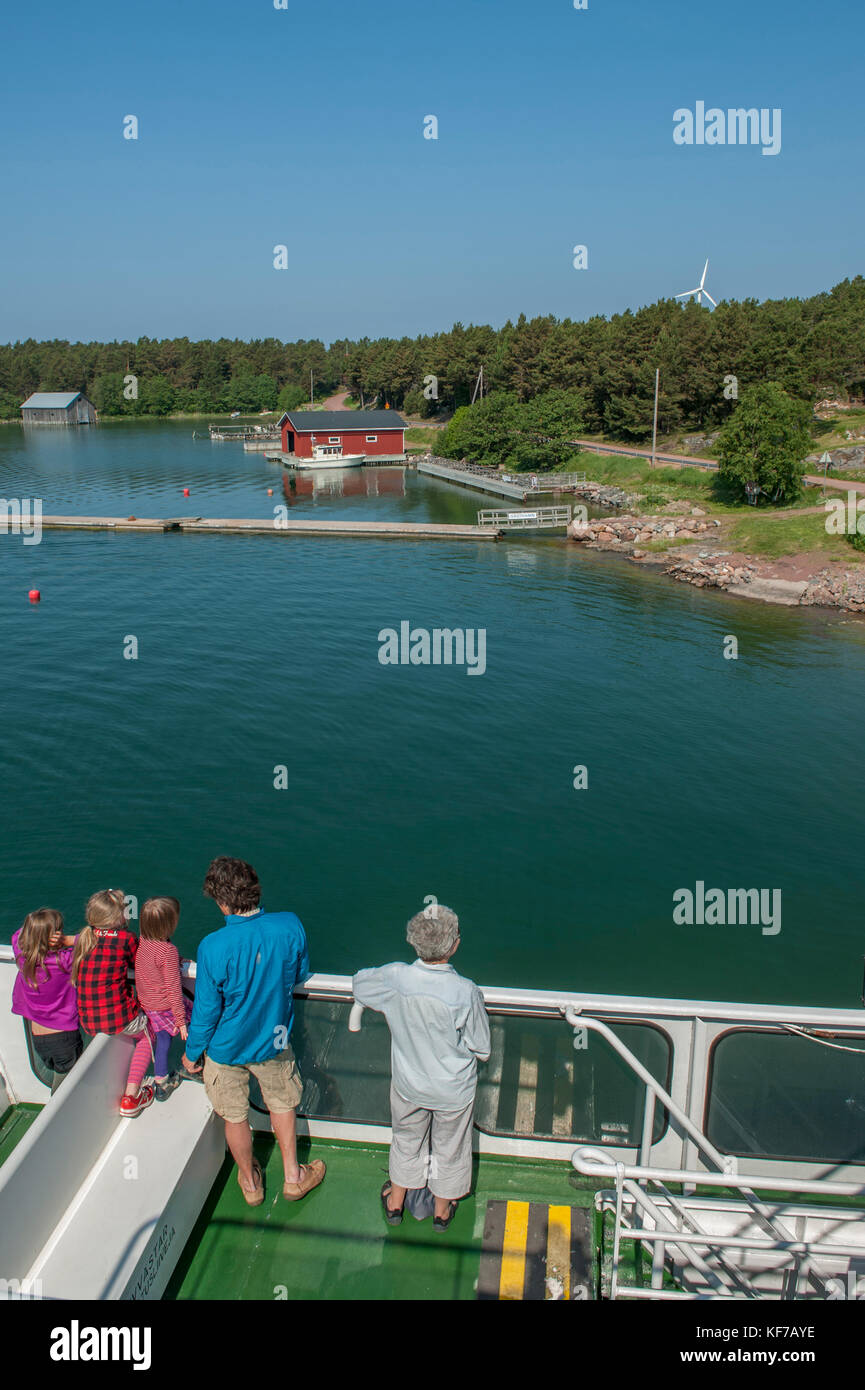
(439, 1029)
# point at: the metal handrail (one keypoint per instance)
(594, 1163)
(666, 1234)
(628, 1177)
(577, 1019)
(726, 1163)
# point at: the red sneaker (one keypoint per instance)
(130, 1106)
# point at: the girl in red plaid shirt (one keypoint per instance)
(105, 951)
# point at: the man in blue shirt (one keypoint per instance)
(242, 1019)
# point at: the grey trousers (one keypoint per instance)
(431, 1146)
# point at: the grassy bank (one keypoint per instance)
(419, 439)
(656, 487)
(773, 536)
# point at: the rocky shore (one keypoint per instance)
(603, 495)
(688, 547)
(628, 533)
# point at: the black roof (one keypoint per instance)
(344, 420)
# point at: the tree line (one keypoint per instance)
(811, 347)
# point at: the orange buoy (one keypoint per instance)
(270, 492)
(34, 596)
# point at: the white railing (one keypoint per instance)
(545, 482)
(724, 1174)
(778, 1245)
(539, 519)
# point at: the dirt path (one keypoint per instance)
(686, 459)
(834, 482)
(337, 402)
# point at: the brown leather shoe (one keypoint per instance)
(311, 1174)
(256, 1197)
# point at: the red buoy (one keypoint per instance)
(186, 492)
(34, 596)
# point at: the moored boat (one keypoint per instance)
(328, 456)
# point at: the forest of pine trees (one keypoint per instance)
(812, 347)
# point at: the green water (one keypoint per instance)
(259, 652)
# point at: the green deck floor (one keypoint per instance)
(336, 1244)
(14, 1125)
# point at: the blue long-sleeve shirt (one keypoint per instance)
(244, 981)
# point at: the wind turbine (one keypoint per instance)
(699, 291)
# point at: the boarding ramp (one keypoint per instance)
(96, 1206)
(538, 519)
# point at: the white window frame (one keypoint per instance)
(372, 439)
(334, 439)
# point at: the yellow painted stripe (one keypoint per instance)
(513, 1275)
(559, 1252)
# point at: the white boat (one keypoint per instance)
(329, 456)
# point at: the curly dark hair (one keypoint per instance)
(234, 883)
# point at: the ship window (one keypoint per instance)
(537, 1084)
(780, 1095)
(372, 438)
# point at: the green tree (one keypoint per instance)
(762, 447)
(483, 432)
(155, 396)
(528, 436)
(106, 394)
(291, 397)
(10, 405)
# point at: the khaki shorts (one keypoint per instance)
(228, 1087)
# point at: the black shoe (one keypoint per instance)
(165, 1088)
(441, 1223)
(393, 1218)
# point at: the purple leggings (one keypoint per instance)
(162, 1043)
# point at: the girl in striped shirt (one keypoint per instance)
(160, 986)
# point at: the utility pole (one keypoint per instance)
(479, 386)
(655, 417)
(311, 394)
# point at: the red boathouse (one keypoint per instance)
(378, 434)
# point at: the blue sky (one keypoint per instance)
(304, 127)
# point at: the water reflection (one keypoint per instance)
(321, 483)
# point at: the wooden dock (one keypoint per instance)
(519, 492)
(233, 434)
(292, 526)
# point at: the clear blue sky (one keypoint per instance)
(305, 127)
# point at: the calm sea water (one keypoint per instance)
(260, 652)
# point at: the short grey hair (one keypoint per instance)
(433, 932)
